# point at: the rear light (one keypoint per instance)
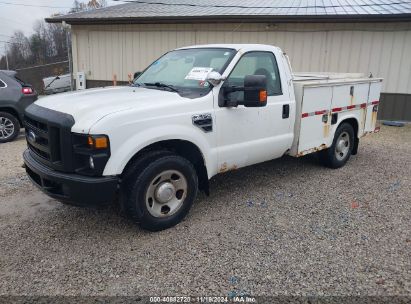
(27, 91)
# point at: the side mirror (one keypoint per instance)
(255, 91)
(136, 74)
(214, 78)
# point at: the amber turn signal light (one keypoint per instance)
(98, 142)
(263, 96)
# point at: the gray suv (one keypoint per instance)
(15, 96)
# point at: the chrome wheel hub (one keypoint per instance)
(342, 146)
(6, 127)
(166, 193)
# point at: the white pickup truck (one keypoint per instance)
(193, 113)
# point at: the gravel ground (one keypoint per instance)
(288, 227)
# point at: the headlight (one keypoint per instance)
(91, 153)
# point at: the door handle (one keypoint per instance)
(286, 111)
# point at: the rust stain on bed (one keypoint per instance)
(363, 116)
(326, 130)
(374, 119)
(312, 150)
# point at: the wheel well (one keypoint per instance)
(354, 123)
(12, 112)
(184, 148)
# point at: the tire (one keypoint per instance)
(158, 191)
(341, 149)
(9, 127)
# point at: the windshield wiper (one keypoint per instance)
(161, 85)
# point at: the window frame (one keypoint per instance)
(5, 84)
(275, 61)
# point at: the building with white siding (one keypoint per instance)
(367, 36)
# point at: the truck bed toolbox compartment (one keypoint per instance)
(325, 100)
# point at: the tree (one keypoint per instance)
(92, 4)
(20, 40)
(77, 7)
(47, 44)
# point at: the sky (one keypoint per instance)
(22, 15)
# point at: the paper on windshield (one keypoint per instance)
(198, 73)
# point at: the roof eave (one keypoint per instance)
(234, 18)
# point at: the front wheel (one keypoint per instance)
(339, 153)
(9, 127)
(161, 193)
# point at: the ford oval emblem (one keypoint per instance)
(31, 136)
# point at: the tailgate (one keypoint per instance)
(372, 108)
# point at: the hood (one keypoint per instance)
(89, 106)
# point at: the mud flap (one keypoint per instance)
(203, 182)
(355, 148)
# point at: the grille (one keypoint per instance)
(48, 135)
(43, 140)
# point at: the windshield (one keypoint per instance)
(185, 69)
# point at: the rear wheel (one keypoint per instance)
(159, 194)
(339, 153)
(9, 127)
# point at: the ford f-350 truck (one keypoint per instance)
(193, 113)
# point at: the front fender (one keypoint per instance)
(123, 151)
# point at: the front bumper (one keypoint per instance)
(72, 189)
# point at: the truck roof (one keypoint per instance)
(237, 47)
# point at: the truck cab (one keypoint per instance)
(193, 113)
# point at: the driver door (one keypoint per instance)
(251, 135)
